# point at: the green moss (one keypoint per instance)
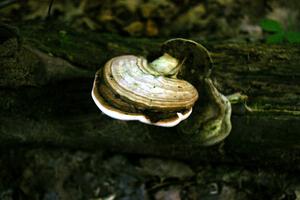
(269, 109)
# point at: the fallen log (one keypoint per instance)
(46, 78)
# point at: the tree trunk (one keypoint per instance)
(46, 79)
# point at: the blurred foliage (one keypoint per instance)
(208, 20)
(52, 174)
(277, 33)
(150, 18)
(271, 25)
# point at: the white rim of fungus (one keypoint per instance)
(113, 113)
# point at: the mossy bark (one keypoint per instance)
(46, 78)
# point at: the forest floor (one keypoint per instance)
(51, 173)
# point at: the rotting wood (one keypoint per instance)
(46, 79)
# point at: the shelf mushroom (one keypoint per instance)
(129, 87)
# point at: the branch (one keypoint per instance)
(46, 84)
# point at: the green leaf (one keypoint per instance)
(293, 37)
(270, 25)
(275, 38)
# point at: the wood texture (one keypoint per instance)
(47, 75)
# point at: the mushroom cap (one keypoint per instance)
(121, 115)
(125, 75)
(124, 90)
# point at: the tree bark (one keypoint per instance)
(46, 79)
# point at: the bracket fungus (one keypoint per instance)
(157, 93)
